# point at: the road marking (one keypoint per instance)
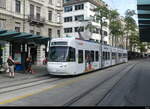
(46, 89)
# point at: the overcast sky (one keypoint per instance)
(123, 5)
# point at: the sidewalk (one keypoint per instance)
(39, 71)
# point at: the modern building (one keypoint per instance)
(39, 17)
(79, 14)
(143, 7)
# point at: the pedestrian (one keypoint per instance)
(29, 64)
(11, 65)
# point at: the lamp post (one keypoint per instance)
(101, 38)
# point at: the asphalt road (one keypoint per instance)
(122, 85)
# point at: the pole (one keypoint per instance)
(101, 42)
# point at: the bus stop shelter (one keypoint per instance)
(23, 39)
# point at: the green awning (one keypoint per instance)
(3, 31)
(9, 33)
(22, 37)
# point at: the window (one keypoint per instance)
(97, 56)
(50, 32)
(17, 26)
(3, 4)
(96, 30)
(2, 24)
(71, 55)
(68, 19)
(32, 31)
(105, 33)
(79, 7)
(59, 3)
(58, 33)
(113, 55)
(92, 56)
(31, 10)
(38, 13)
(18, 6)
(67, 30)
(50, 16)
(104, 55)
(51, 2)
(68, 8)
(59, 43)
(80, 56)
(65, 1)
(108, 57)
(62, 54)
(79, 17)
(38, 33)
(87, 56)
(58, 54)
(58, 18)
(81, 29)
(17, 29)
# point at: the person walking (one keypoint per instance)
(11, 65)
(29, 64)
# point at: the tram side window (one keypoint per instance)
(87, 56)
(113, 55)
(97, 56)
(71, 55)
(104, 55)
(108, 57)
(92, 56)
(80, 56)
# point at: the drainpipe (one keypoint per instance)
(24, 15)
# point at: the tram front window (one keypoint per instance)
(61, 54)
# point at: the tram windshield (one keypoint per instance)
(61, 54)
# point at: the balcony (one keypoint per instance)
(36, 20)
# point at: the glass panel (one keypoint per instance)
(58, 54)
(71, 55)
(92, 56)
(80, 56)
(59, 43)
(97, 56)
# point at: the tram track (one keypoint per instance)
(22, 78)
(76, 99)
(24, 85)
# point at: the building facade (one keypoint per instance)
(80, 14)
(39, 17)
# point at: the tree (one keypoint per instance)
(101, 15)
(114, 25)
(130, 25)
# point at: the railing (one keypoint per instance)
(36, 19)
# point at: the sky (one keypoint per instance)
(123, 5)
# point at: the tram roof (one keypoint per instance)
(22, 37)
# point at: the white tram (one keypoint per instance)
(72, 56)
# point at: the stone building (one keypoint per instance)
(39, 17)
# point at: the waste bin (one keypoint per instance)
(19, 67)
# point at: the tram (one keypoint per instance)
(72, 56)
